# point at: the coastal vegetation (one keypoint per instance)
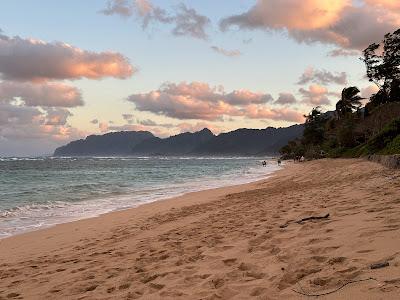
(358, 126)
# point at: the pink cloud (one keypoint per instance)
(200, 101)
(289, 14)
(286, 114)
(41, 94)
(35, 60)
(18, 122)
(316, 95)
(336, 22)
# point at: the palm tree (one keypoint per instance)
(349, 102)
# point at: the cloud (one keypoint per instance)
(357, 28)
(185, 21)
(123, 8)
(200, 101)
(36, 60)
(128, 118)
(337, 22)
(368, 91)
(157, 129)
(190, 127)
(286, 114)
(189, 23)
(229, 53)
(343, 52)
(57, 116)
(147, 122)
(41, 94)
(316, 95)
(18, 122)
(286, 98)
(288, 14)
(322, 77)
(388, 4)
(245, 97)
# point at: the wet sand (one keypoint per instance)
(240, 242)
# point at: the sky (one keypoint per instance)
(73, 68)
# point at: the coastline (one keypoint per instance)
(224, 243)
(83, 198)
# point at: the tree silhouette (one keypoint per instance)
(383, 67)
(314, 129)
(349, 102)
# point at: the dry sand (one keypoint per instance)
(226, 243)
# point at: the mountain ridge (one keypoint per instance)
(241, 141)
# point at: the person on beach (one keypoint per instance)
(279, 162)
(264, 163)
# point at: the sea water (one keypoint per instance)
(41, 192)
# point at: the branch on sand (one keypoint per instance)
(330, 292)
(312, 218)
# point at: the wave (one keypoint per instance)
(32, 216)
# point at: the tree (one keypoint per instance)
(314, 130)
(383, 67)
(349, 102)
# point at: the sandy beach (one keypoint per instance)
(239, 242)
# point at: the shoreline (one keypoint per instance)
(148, 202)
(225, 243)
(135, 202)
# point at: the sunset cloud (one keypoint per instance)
(200, 101)
(316, 95)
(336, 22)
(36, 60)
(322, 77)
(289, 14)
(286, 114)
(27, 123)
(41, 94)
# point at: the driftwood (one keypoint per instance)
(379, 265)
(330, 292)
(312, 218)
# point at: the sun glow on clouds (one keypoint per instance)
(32, 104)
(337, 22)
(29, 59)
(290, 14)
(199, 101)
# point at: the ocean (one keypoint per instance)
(41, 192)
